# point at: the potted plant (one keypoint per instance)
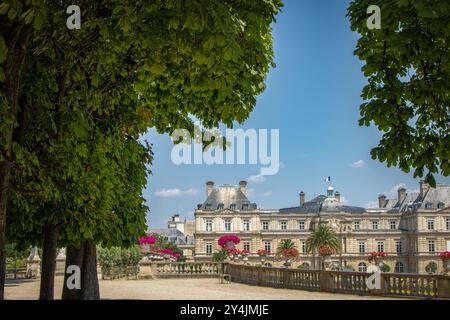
(145, 243)
(228, 241)
(445, 257)
(324, 241)
(377, 257)
(262, 254)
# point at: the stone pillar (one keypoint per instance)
(60, 262)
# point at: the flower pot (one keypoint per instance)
(145, 248)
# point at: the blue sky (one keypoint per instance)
(313, 98)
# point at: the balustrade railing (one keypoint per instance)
(406, 285)
(179, 269)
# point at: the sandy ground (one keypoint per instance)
(174, 289)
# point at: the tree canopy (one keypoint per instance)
(73, 113)
(407, 97)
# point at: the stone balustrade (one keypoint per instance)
(155, 270)
(406, 285)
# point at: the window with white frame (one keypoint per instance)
(268, 246)
(208, 225)
(356, 225)
(303, 246)
(399, 246)
(265, 225)
(362, 267)
(380, 246)
(246, 225)
(447, 223)
(209, 248)
(428, 205)
(440, 205)
(393, 224)
(283, 225)
(431, 246)
(247, 245)
(399, 267)
(362, 246)
(430, 223)
(227, 224)
(375, 224)
(301, 224)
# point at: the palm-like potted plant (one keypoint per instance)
(287, 250)
(324, 241)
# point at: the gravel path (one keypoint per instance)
(173, 289)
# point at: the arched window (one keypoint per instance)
(399, 267)
(362, 267)
(441, 205)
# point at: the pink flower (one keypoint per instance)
(223, 240)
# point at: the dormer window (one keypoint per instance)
(233, 206)
(441, 205)
(245, 206)
(208, 206)
(220, 206)
(428, 205)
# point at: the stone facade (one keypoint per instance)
(411, 229)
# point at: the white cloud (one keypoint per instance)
(358, 164)
(267, 194)
(371, 204)
(257, 179)
(172, 193)
(344, 201)
(393, 192)
(250, 192)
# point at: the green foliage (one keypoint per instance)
(322, 236)
(286, 244)
(431, 267)
(385, 268)
(407, 97)
(162, 243)
(118, 257)
(303, 266)
(220, 255)
(16, 256)
(87, 96)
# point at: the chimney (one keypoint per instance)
(337, 195)
(401, 194)
(302, 198)
(381, 201)
(209, 188)
(243, 187)
(424, 186)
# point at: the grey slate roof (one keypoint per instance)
(316, 205)
(174, 236)
(227, 195)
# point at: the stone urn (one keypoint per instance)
(145, 248)
(326, 262)
(446, 264)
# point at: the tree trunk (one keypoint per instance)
(74, 256)
(48, 262)
(17, 37)
(89, 281)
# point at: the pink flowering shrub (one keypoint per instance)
(223, 240)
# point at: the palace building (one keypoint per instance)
(412, 229)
